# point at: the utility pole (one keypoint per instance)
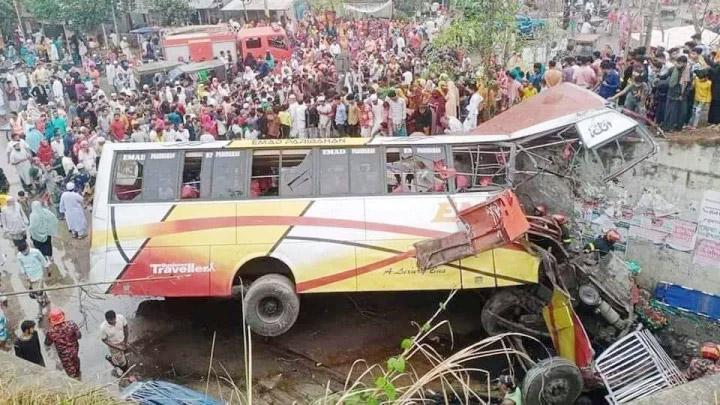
(641, 14)
(19, 17)
(112, 9)
(267, 10)
(105, 37)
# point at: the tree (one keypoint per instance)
(170, 12)
(8, 17)
(698, 11)
(480, 26)
(83, 14)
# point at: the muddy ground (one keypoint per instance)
(333, 331)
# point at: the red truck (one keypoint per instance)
(207, 44)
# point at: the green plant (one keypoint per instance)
(8, 17)
(398, 382)
(73, 394)
(479, 26)
(82, 14)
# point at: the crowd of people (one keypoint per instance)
(675, 89)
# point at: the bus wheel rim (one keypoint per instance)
(270, 309)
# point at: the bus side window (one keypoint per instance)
(128, 182)
(265, 173)
(431, 171)
(334, 176)
(477, 167)
(162, 183)
(399, 170)
(296, 173)
(192, 186)
(229, 174)
(365, 175)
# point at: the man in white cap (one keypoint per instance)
(73, 206)
(87, 157)
(110, 69)
(125, 46)
(298, 112)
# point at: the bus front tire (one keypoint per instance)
(271, 305)
(553, 381)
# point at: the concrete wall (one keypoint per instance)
(703, 391)
(657, 206)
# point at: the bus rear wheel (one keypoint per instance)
(271, 305)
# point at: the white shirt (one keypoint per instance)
(324, 110)
(378, 111)
(140, 136)
(114, 333)
(335, 49)
(400, 43)
(182, 136)
(57, 89)
(297, 112)
(110, 72)
(407, 78)
(398, 111)
(207, 138)
(22, 79)
(113, 38)
(58, 147)
(586, 28)
(474, 104)
(454, 125)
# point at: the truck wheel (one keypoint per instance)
(553, 381)
(271, 305)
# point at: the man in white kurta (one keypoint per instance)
(72, 205)
(20, 159)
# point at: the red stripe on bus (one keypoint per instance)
(198, 224)
(344, 275)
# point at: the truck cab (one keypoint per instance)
(257, 41)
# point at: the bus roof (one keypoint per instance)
(310, 142)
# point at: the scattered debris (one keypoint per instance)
(701, 367)
(636, 366)
(649, 312)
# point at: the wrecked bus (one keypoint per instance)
(286, 217)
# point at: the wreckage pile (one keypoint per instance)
(586, 303)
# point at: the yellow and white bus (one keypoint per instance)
(287, 217)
